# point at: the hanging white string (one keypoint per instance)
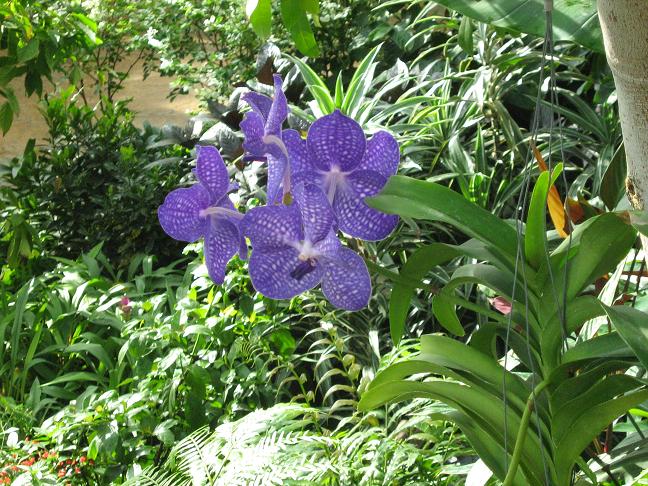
(547, 53)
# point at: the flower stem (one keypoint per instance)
(521, 436)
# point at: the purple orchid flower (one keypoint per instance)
(205, 210)
(294, 248)
(337, 158)
(263, 137)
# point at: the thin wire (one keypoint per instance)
(520, 209)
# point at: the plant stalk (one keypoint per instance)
(521, 436)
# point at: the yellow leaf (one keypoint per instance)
(554, 203)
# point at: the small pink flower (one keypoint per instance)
(501, 304)
(124, 305)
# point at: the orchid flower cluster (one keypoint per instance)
(316, 187)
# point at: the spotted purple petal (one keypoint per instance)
(276, 171)
(252, 127)
(221, 244)
(308, 177)
(329, 246)
(354, 216)
(336, 140)
(346, 282)
(297, 151)
(382, 154)
(211, 171)
(259, 103)
(280, 274)
(226, 202)
(179, 215)
(317, 215)
(272, 227)
(278, 110)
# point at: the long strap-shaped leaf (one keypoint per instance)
(483, 408)
(586, 427)
(573, 19)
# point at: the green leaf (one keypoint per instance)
(296, 22)
(75, 376)
(482, 407)
(339, 91)
(535, 237)
(567, 412)
(6, 117)
(417, 199)
(613, 182)
(452, 354)
(606, 346)
(632, 326)
(573, 387)
(596, 247)
(89, 29)
(315, 85)
(97, 350)
(360, 83)
(587, 426)
(260, 14)
(572, 20)
(465, 35)
(415, 269)
(578, 311)
(311, 6)
(444, 310)
(29, 51)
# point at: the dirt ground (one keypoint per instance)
(149, 103)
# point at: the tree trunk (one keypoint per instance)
(625, 33)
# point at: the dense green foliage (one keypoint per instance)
(98, 182)
(121, 361)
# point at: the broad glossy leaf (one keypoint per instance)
(482, 407)
(535, 239)
(490, 451)
(297, 23)
(566, 413)
(443, 307)
(465, 36)
(605, 346)
(572, 19)
(488, 276)
(453, 354)
(578, 311)
(632, 326)
(572, 387)
(260, 15)
(485, 340)
(587, 426)
(417, 199)
(97, 350)
(596, 247)
(29, 51)
(415, 269)
(613, 183)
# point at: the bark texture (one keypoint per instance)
(625, 34)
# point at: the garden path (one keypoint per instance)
(149, 103)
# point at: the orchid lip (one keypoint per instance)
(334, 179)
(303, 268)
